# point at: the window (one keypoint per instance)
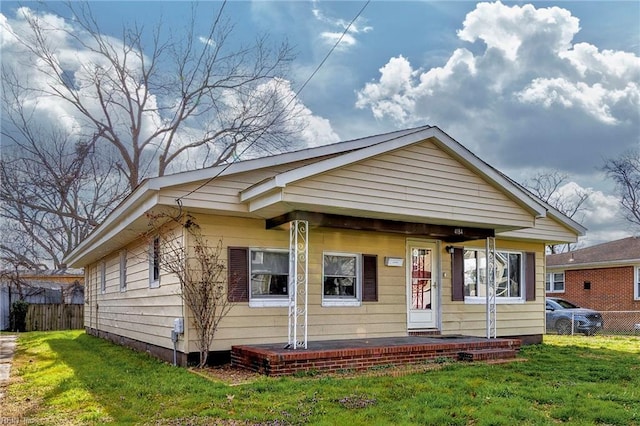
(269, 272)
(259, 276)
(103, 276)
(637, 284)
(341, 279)
(509, 275)
(555, 282)
(123, 270)
(154, 263)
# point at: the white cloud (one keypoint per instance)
(509, 28)
(518, 92)
(600, 214)
(603, 219)
(80, 64)
(206, 41)
(337, 28)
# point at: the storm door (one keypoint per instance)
(422, 286)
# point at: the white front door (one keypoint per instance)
(422, 285)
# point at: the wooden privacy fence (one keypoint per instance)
(46, 317)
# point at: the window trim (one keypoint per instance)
(636, 283)
(123, 270)
(328, 301)
(481, 300)
(277, 301)
(154, 262)
(103, 276)
(550, 279)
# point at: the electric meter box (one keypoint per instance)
(178, 325)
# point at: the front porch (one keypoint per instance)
(362, 354)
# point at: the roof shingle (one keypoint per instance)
(622, 250)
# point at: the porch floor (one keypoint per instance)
(361, 354)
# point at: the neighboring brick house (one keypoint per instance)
(605, 277)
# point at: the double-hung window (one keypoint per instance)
(269, 272)
(123, 270)
(509, 275)
(555, 282)
(341, 279)
(636, 293)
(154, 263)
(103, 276)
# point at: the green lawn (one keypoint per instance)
(71, 378)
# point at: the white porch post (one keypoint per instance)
(298, 283)
(491, 287)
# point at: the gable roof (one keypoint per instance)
(612, 253)
(287, 168)
(393, 142)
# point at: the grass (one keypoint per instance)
(75, 379)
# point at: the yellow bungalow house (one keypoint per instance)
(395, 232)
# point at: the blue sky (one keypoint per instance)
(527, 86)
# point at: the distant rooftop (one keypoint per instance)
(619, 251)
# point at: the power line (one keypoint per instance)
(294, 97)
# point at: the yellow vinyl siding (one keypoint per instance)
(387, 317)
(222, 193)
(546, 229)
(147, 314)
(140, 312)
(420, 181)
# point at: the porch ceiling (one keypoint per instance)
(442, 232)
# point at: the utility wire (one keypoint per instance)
(294, 97)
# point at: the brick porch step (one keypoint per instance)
(487, 354)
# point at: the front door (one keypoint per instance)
(422, 286)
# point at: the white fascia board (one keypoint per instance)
(265, 201)
(141, 200)
(386, 145)
(275, 160)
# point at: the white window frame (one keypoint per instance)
(154, 262)
(550, 280)
(481, 300)
(266, 301)
(123, 270)
(103, 277)
(356, 300)
(636, 283)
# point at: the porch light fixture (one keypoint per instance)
(449, 249)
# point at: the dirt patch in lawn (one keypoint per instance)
(234, 376)
(227, 374)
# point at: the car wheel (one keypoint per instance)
(563, 326)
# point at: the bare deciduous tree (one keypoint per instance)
(118, 110)
(625, 172)
(174, 99)
(54, 190)
(186, 253)
(546, 186)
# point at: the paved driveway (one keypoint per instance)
(7, 349)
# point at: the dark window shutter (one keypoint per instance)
(530, 276)
(238, 269)
(457, 274)
(369, 278)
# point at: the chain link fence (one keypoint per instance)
(605, 322)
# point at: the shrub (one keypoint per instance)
(18, 315)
